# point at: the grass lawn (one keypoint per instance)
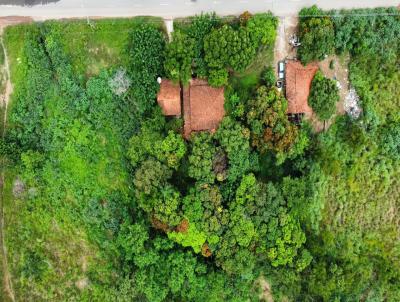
(101, 44)
(46, 236)
(91, 47)
(245, 82)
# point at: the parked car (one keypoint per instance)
(281, 69)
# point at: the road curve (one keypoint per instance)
(174, 8)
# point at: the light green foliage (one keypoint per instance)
(317, 35)
(289, 240)
(171, 149)
(179, 57)
(262, 28)
(323, 96)
(167, 206)
(193, 238)
(235, 106)
(218, 77)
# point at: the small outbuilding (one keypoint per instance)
(169, 98)
(298, 80)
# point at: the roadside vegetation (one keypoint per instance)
(105, 200)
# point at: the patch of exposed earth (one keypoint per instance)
(283, 50)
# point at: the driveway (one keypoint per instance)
(170, 8)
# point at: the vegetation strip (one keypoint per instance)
(110, 202)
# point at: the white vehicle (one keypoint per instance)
(281, 69)
(294, 41)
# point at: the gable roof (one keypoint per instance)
(169, 98)
(298, 85)
(203, 106)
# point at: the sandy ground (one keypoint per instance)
(283, 50)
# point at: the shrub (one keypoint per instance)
(323, 96)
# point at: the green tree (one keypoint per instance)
(262, 28)
(270, 128)
(146, 53)
(201, 158)
(316, 34)
(199, 27)
(323, 96)
(179, 57)
(229, 48)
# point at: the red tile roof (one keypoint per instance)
(298, 84)
(169, 98)
(203, 106)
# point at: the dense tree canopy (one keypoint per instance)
(108, 201)
(179, 57)
(317, 35)
(323, 96)
(146, 61)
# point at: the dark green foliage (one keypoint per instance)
(201, 158)
(235, 140)
(146, 47)
(179, 57)
(228, 47)
(199, 27)
(323, 96)
(31, 95)
(269, 126)
(317, 35)
(371, 33)
(112, 204)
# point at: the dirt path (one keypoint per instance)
(7, 284)
(283, 50)
(8, 89)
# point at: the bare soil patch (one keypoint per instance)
(283, 50)
(266, 292)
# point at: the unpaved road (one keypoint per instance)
(174, 8)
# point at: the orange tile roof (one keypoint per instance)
(203, 106)
(298, 85)
(169, 98)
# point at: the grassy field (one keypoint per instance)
(91, 47)
(100, 44)
(246, 81)
(48, 236)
